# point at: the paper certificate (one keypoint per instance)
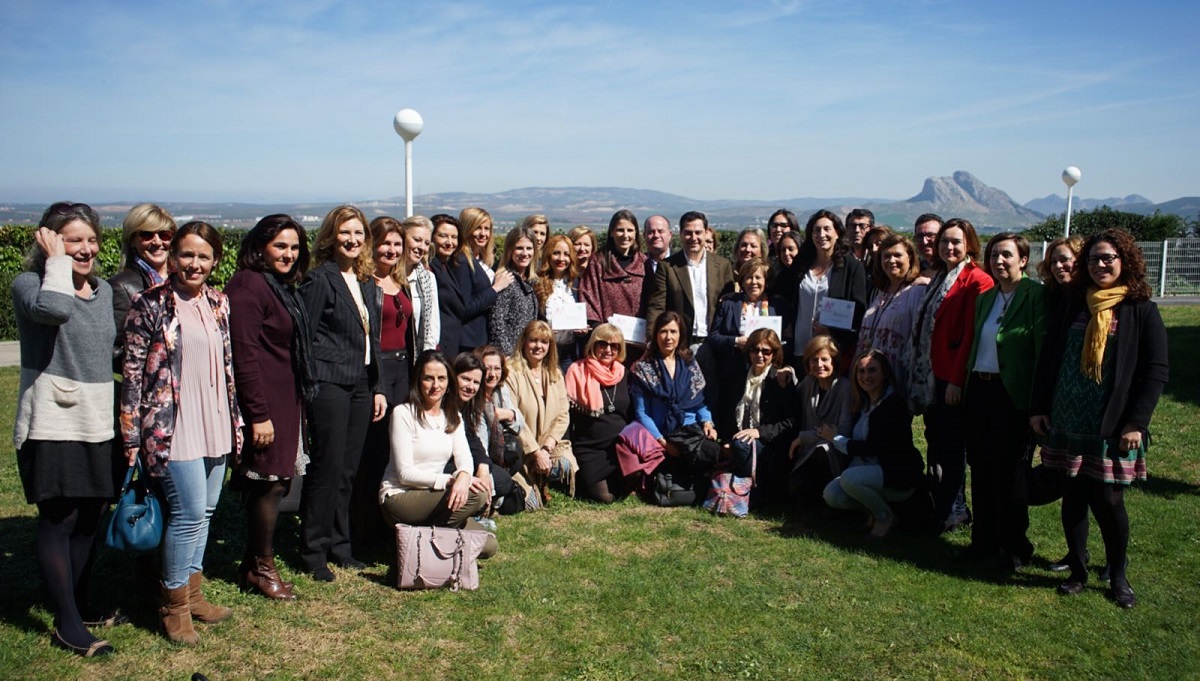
(772, 322)
(568, 316)
(837, 313)
(633, 328)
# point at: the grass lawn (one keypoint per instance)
(635, 592)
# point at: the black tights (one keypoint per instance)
(66, 534)
(262, 513)
(1107, 502)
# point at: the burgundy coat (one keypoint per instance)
(619, 292)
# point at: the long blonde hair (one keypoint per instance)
(536, 329)
(326, 240)
(545, 271)
(470, 220)
(380, 228)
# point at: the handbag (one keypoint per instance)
(729, 494)
(438, 557)
(136, 522)
(672, 489)
(1035, 485)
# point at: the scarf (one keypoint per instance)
(584, 381)
(425, 291)
(301, 345)
(1100, 304)
(921, 380)
(681, 394)
(747, 413)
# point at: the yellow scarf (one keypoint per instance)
(1100, 303)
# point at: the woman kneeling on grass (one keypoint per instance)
(884, 464)
(426, 432)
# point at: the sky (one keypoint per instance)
(248, 101)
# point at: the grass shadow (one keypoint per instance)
(1167, 488)
(1184, 384)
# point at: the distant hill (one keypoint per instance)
(1055, 204)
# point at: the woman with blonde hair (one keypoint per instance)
(343, 305)
(540, 394)
(598, 391)
(146, 239)
(557, 285)
(586, 245)
(475, 240)
(422, 285)
(467, 288)
(539, 225)
(516, 305)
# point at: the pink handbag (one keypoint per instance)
(438, 557)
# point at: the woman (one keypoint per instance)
(487, 448)
(884, 464)
(146, 237)
(179, 412)
(598, 391)
(586, 245)
(614, 285)
(558, 284)
(504, 420)
(824, 398)
(426, 433)
(268, 330)
(466, 287)
(1057, 270)
(517, 304)
(824, 269)
(750, 245)
(668, 400)
(781, 222)
(786, 250)
(737, 316)
(1101, 373)
(888, 322)
(763, 415)
(540, 395)
(942, 337)
(422, 285)
(1010, 324)
(539, 227)
(445, 237)
(64, 446)
(871, 244)
(343, 306)
(475, 240)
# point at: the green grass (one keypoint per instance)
(635, 592)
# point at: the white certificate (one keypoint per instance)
(568, 316)
(772, 322)
(837, 313)
(633, 328)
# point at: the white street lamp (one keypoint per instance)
(408, 124)
(1069, 177)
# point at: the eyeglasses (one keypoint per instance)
(163, 234)
(1106, 258)
(604, 346)
(765, 352)
(780, 225)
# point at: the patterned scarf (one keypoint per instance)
(426, 292)
(921, 380)
(584, 381)
(1100, 303)
(681, 393)
(746, 412)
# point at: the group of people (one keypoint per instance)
(408, 375)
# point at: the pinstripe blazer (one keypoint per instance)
(337, 332)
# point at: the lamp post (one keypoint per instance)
(408, 124)
(1069, 177)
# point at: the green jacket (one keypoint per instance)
(1019, 341)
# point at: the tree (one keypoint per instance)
(1087, 222)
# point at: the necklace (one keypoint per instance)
(1004, 308)
(610, 399)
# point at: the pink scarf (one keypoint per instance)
(584, 379)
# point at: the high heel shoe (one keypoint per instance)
(262, 576)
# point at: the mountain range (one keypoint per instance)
(958, 195)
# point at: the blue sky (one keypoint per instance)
(258, 101)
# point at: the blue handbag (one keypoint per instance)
(136, 522)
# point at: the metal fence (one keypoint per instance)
(1172, 266)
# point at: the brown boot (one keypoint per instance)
(262, 576)
(201, 609)
(177, 617)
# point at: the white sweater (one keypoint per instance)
(420, 453)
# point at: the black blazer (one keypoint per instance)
(465, 295)
(847, 281)
(777, 406)
(889, 439)
(1140, 365)
(337, 332)
(126, 285)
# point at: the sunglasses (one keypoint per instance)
(781, 225)
(604, 346)
(765, 352)
(162, 234)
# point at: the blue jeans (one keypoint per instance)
(861, 487)
(190, 491)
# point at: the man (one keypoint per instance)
(858, 223)
(658, 241)
(692, 281)
(927, 227)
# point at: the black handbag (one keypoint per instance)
(136, 522)
(1035, 485)
(672, 489)
(513, 454)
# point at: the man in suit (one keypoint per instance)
(858, 223)
(692, 281)
(658, 241)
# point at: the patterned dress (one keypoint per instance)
(1073, 444)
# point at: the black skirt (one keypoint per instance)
(69, 469)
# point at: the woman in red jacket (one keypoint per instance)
(942, 339)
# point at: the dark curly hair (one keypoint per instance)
(1133, 266)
